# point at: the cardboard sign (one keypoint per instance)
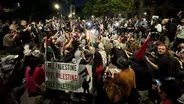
(67, 76)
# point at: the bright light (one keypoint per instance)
(18, 4)
(92, 16)
(70, 15)
(117, 24)
(56, 6)
(89, 23)
(145, 13)
(73, 13)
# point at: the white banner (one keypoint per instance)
(67, 76)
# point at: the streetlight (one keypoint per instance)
(18, 4)
(145, 13)
(92, 16)
(56, 6)
(73, 13)
(70, 15)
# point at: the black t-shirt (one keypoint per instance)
(143, 73)
(25, 35)
(166, 67)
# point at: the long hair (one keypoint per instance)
(34, 62)
(97, 59)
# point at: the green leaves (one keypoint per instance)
(101, 7)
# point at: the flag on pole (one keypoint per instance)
(84, 73)
(48, 48)
(143, 48)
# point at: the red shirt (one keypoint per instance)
(38, 78)
(167, 102)
(99, 71)
(47, 43)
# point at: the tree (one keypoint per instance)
(101, 7)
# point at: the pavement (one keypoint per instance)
(24, 98)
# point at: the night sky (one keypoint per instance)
(80, 3)
(41, 7)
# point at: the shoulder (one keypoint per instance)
(6, 36)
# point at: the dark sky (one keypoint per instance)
(80, 3)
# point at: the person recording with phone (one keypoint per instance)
(168, 91)
(25, 33)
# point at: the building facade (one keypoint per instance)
(161, 8)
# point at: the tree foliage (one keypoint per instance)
(101, 7)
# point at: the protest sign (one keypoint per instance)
(67, 76)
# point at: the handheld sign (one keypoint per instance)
(67, 76)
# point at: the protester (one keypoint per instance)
(35, 78)
(136, 59)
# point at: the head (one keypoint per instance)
(13, 32)
(182, 21)
(122, 63)
(23, 23)
(181, 54)
(14, 22)
(180, 14)
(162, 49)
(170, 90)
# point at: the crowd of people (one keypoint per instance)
(133, 61)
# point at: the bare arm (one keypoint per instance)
(26, 28)
(70, 42)
(152, 64)
(56, 35)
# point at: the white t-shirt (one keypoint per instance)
(180, 32)
(158, 27)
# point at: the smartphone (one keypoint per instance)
(158, 82)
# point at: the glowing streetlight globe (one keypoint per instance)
(73, 13)
(18, 4)
(145, 13)
(56, 6)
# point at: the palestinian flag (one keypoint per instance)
(143, 48)
(48, 48)
(84, 73)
